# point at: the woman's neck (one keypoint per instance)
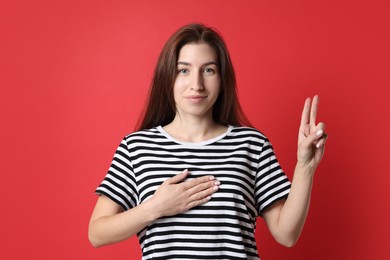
(193, 129)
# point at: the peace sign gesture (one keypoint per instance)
(312, 136)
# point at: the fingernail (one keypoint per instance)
(211, 178)
(217, 183)
(215, 188)
(319, 132)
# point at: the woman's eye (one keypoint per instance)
(209, 70)
(182, 71)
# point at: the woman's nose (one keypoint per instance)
(197, 82)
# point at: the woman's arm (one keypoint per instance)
(110, 224)
(286, 219)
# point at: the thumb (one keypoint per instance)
(178, 177)
(313, 138)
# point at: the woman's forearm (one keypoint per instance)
(111, 229)
(294, 211)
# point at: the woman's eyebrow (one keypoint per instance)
(189, 64)
(183, 63)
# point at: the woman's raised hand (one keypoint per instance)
(175, 196)
(312, 136)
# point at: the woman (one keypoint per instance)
(193, 179)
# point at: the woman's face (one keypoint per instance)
(198, 80)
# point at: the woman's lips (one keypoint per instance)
(195, 99)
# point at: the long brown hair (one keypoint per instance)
(160, 108)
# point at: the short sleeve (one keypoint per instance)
(272, 183)
(119, 184)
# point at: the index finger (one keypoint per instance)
(194, 182)
(306, 112)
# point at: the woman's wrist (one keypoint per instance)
(304, 169)
(151, 209)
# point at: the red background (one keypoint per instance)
(74, 76)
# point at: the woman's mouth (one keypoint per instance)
(195, 98)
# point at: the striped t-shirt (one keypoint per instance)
(242, 159)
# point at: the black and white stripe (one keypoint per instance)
(243, 161)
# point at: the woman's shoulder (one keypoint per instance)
(248, 131)
(143, 133)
